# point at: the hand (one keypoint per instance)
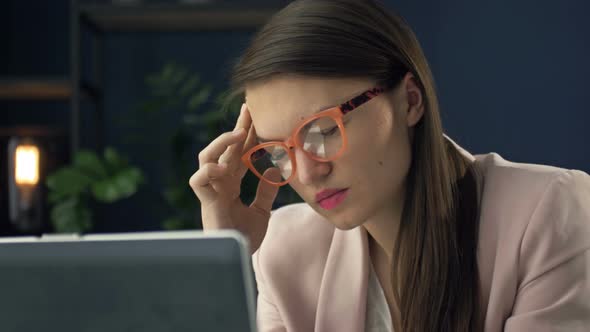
(217, 184)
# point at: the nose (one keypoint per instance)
(308, 169)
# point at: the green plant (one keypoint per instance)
(183, 115)
(89, 179)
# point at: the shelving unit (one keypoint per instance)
(175, 17)
(35, 88)
(104, 16)
(42, 88)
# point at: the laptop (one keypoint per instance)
(154, 281)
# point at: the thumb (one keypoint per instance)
(266, 192)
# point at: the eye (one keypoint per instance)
(258, 154)
(278, 156)
(335, 129)
(330, 131)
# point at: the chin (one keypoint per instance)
(337, 218)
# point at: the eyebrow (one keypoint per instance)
(264, 140)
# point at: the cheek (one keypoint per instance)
(372, 136)
(379, 148)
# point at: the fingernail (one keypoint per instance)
(222, 165)
(243, 108)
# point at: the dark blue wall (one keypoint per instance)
(33, 42)
(511, 77)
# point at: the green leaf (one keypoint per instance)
(178, 75)
(68, 181)
(199, 98)
(212, 117)
(113, 160)
(122, 185)
(189, 85)
(190, 120)
(227, 105)
(168, 72)
(174, 195)
(89, 163)
(181, 197)
(127, 181)
(167, 82)
(153, 106)
(176, 223)
(71, 216)
(152, 79)
(55, 197)
(172, 223)
(136, 174)
(105, 191)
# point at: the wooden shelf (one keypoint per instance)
(32, 131)
(38, 88)
(176, 17)
(48, 88)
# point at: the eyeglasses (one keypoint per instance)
(322, 137)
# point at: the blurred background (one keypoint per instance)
(104, 105)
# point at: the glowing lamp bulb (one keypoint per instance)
(27, 165)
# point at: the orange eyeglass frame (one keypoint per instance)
(335, 113)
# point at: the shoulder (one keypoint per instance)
(515, 190)
(498, 172)
(532, 217)
(534, 245)
(515, 194)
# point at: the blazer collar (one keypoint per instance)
(343, 290)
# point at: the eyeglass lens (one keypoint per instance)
(321, 138)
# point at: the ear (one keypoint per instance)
(414, 98)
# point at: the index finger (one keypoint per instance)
(244, 119)
(250, 141)
(230, 156)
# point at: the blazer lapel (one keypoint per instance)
(343, 291)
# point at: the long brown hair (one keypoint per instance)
(434, 268)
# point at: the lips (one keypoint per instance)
(334, 200)
(326, 193)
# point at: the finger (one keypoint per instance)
(229, 156)
(266, 192)
(240, 168)
(240, 122)
(200, 181)
(251, 139)
(216, 148)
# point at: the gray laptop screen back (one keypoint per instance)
(140, 285)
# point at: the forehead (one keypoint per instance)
(279, 104)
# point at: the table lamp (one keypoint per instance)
(24, 192)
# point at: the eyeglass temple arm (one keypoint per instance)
(360, 99)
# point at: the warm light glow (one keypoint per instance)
(27, 165)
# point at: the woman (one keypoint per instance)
(401, 229)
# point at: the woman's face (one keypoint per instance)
(375, 164)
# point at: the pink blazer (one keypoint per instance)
(533, 256)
